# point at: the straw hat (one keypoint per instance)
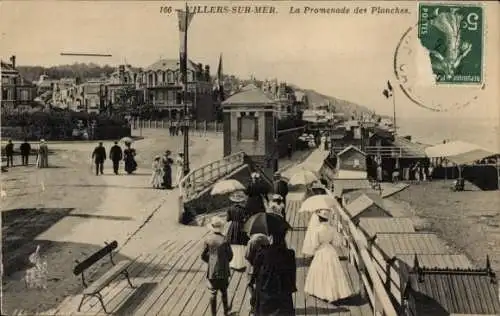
(238, 197)
(324, 214)
(216, 224)
(157, 157)
(277, 197)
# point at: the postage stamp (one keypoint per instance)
(453, 36)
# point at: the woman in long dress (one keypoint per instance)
(236, 237)
(257, 193)
(157, 174)
(309, 242)
(179, 161)
(129, 158)
(326, 278)
(167, 170)
(42, 160)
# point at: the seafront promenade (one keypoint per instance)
(170, 276)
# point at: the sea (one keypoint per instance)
(432, 131)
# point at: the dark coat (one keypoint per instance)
(237, 215)
(281, 187)
(128, 157)
(217, 253)
(256, 193)
(9, 149)
(116, 153)
(275, 280)
(99, 154)
(25, 149)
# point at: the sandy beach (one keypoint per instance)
(468, 220)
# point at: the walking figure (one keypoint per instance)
(167, 170)
(179, 161)
(99, 156)
(116, 154)
(43, 155)
(9, 152)
(25, 152)
(217, 254)
(280, 186)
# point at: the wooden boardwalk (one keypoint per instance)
(171, 281)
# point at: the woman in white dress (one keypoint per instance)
(326, 279)
(157, 174)
(309, 242)
(179, 161)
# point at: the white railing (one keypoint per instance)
(195, 128)
(202, 177)
(383, 151)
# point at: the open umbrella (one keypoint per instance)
(266, 223)
(226, 186)
(318, 202)
(127, 140)
(303, 177)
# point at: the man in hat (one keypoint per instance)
(25, 151)
(9, 152)
(116, 154)
(99, 156)
(280, 187)
(217, 254)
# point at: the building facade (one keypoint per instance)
(16, 91)
(162, 87)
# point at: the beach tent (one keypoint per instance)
(458, 152)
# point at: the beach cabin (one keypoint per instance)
(448, 291)
(366, 205)
(351, 164)
(372, 226)
(386, 248)
(343, 186)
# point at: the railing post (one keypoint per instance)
(205, 128)
(215, 127)
(162, 122)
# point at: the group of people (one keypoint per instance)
(116, 154)
(269, 263)
(42, 160)
(161, 177)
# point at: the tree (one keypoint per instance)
(126, 97)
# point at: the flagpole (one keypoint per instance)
(185, 99)
(394, 110)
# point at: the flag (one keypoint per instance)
(388, 92)
(389, 85)
(185, 18)
(219, 81)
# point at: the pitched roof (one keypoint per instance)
(373, 225)
(453, 291)
(249, 95)
(345, 185)
(7, 68)
(349, 148)
(363, 202)
(170, 64)
(435, 261)
(395, 244)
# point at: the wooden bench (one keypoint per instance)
(104, 280)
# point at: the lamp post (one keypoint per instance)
(185, 127)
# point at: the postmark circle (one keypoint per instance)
(417, 81)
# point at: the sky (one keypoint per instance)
(347, 56)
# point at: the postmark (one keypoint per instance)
(419, 83)
(453, 36)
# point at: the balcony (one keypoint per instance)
(170, 104)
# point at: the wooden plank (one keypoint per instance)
(166, 286)
(179, 255)
(241, 300)
(121, 290)
(199, 274)
(168, 299)
(231, 290)
(143, 282)
(203, 306)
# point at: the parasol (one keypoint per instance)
(266, 223)
(227, 186)
(127, 140)
(303, 177)
(318, 202)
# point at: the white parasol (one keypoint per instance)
(318, 202)
(303, 177)
(227, 186)
(127, 140)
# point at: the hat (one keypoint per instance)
(238, 197)
(277, 174)
(157, 157)
(277, 197)
(168, 152)
(42, 140)
(216, 224)
(255, 175)
(324, 214)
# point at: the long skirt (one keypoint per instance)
(238, 262)
(326, 279)
(268, 304)
(309, 242)
(157, 179)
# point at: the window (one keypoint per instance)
(189, 76)
(170, 96)
(24, 95)
(5, 94)
(170, 77)
(247, 127)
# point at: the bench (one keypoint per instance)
(104, 280)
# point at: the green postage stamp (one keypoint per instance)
(453, 35)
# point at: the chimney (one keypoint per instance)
(13, 61)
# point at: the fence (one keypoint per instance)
(195, 127)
